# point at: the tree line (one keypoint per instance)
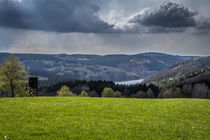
(96, 88)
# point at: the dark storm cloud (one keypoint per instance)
(168, 15)
(83, 16)
(53, 15)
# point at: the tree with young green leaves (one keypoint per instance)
(84, 94)
(65, 91)
(13, 76)
(108, 92)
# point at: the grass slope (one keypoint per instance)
(103, 118)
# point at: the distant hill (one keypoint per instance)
(181, 69)
(97, 67)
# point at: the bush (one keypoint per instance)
(108, 92)
(84, 94)
(140, 94)
(65, 91)
(27, 93)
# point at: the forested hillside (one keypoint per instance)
(96, 67)
(180, 69)
(190, 79)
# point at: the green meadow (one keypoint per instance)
(75, 118)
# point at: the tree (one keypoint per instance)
(118, 94)
(93, 94)
(173, 92)
(187, 90)
(85, 88)
(65, 91)
(140, 94)
(108, 92)
(200, 91)
(150, 93)
(77, 89)
(84, 94)
(126, 92)
(208, 95)
(155, 89)
(13, 75)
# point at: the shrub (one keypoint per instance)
(84, 94)
(108, 92)
(65, 91)
(28, 93)
(24, 92)
(140, 94)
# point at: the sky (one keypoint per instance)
(179, 27)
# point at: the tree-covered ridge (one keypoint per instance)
(193, 77)
(192, 85)
(181, 69)
(96, 67)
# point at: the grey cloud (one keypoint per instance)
(168, 15)
(203, 24)
(53, 15)
(82, 16)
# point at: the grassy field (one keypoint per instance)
(43, 118)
